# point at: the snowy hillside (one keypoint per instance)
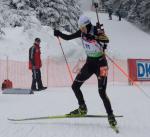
(125, 41)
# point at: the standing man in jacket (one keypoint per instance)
(35, 64)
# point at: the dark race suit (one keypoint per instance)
(92, 66)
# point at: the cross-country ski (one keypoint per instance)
(61, 117)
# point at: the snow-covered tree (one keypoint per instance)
(3, 17)
(1, 26)
(140, 13)
(62, 13)
(55, 13)
(19, 4)
(136, 11)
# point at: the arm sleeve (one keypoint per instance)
(31, 55)
(71, 36)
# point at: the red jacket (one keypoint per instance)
(35, 57)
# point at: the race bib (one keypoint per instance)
(92, 48)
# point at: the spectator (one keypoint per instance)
(110, 12)
(35, 65)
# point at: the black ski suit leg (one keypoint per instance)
(83, 75)
(102, 83)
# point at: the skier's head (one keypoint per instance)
(37, 40)
(84, 24)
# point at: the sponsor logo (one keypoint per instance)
(143, 70)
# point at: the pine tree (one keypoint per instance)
(140, 14)
(54, 13)
(59, 13)
(135, 11)
(3, 17)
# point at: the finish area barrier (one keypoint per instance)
(54, 73)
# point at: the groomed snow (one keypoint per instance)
(126, 100)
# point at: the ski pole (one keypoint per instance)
(96, 6)
(68, 67)
(96, 9)
(120, 68)
(125, 74)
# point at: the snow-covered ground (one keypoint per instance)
(126, 100)
(125, 41)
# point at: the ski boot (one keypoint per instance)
(80, 112)
(42, 88)
(112, 121)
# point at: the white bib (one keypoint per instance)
(92, 48)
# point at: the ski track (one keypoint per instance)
(72, 128)
(126, 100)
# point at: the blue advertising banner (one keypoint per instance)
(143, 69)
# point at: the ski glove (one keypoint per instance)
(56, 32)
